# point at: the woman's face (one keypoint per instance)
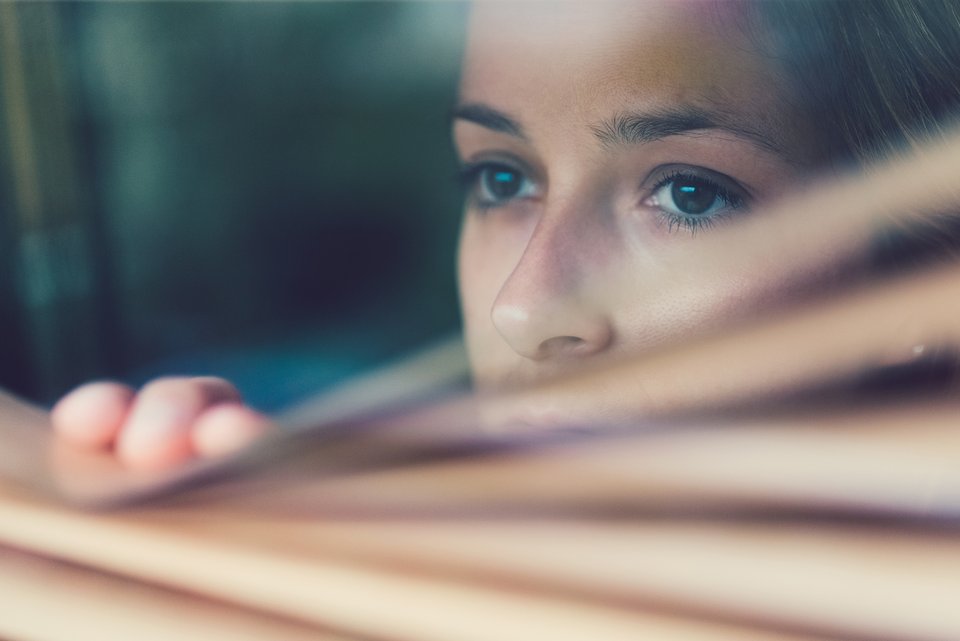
(598, 140)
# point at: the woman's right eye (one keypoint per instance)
(496, 184)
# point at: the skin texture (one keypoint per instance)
(589, 108)
(576, 269)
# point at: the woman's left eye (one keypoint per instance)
(693, 201)
(495, 184)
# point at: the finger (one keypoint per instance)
(226, 429)
(157, 431)
(92, 414)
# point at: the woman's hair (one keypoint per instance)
(875, 75)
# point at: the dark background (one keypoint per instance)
(263, 191)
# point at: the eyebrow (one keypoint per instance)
(490, 118)
(635, 128)
(631, 128)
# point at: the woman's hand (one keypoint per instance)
(168, 422)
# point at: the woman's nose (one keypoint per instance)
(551, 306)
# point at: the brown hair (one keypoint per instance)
(875, 75)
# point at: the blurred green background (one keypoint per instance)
(262, 191)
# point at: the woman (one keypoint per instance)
(599, 141)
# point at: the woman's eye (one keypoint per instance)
(692, 201)
(495, 184)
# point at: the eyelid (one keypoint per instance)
(472, 168)
(498, 157)
(738, 198)
(664, 171)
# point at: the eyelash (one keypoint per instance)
(471, 174)
(469, 177)
(698, 222)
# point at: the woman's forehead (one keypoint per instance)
(590, 60)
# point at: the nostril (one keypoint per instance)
(562, 345)
(541, 327)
